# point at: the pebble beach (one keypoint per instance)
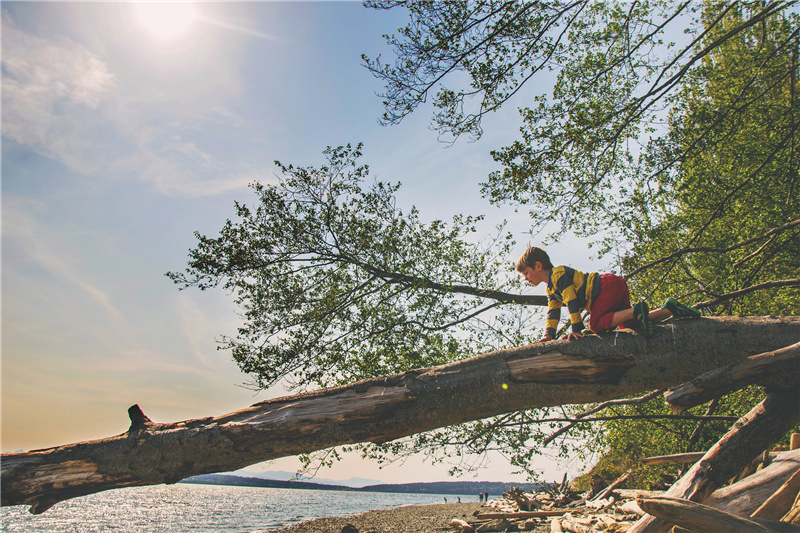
(407, 519)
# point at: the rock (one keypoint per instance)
(349, 528)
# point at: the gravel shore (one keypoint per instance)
(406, 519)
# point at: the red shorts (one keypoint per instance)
(614, 296)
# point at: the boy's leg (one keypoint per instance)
(626, 315)
(613, 305)
(659, 314)
(620, 317)
(678, 310)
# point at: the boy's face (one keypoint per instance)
(535, 275)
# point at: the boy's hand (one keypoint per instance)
(573, 336)
(545, 338)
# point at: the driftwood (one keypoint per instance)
(793, 516)
(596, 368)
(745, 496)
(608, 490)
(461, 525)
(781, 501)
(495, 525)
(520, 514)
(761, 461)
(678, 458)
(698, 517)
(754, 432)
(575, 527)
(783, 363)
(555, 526)
(523, 502)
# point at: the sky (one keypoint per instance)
(125, 128)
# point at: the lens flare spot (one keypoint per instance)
(165, 21)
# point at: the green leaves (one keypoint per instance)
(336, 283)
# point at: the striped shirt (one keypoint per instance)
(574, 289)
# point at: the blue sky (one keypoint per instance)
(122, 135)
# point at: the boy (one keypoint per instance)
(605, 296)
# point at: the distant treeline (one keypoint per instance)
(461, 488)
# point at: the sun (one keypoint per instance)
(165, 21)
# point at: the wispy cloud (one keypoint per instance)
(64, 102)
(43, 84)
(38, 242)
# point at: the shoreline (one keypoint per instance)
(429, 518)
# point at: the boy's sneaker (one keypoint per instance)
(641, 313)
(679, 310)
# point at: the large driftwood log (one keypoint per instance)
(781, 501)
(783, 364)
(697, 517)
(753, 433)
(744, 497)
(593, 369)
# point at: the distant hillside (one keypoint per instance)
(238, 481)
(494, 488)
(460, 488)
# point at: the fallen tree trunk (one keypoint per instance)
(698, 517)
(595, 368)
(783, 363)
(756, 431)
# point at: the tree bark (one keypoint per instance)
(697, 517)
(783, 364)
(756, 431)
(744, 497)
(595, 368)
(793, 516)
(781, 501)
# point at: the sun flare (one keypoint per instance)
(166, 21)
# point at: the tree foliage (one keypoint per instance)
(669, 133)
(731, 222)
(665, 130)
(336, 283)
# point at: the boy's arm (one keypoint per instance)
(553, 317)
(571, 301)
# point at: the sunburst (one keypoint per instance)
(166, 21)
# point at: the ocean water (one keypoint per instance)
(203, 509)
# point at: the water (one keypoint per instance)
(203, 509)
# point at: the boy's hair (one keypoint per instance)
(531, 256)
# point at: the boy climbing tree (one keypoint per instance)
(605, 297)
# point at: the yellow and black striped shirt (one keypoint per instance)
(574, 289)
